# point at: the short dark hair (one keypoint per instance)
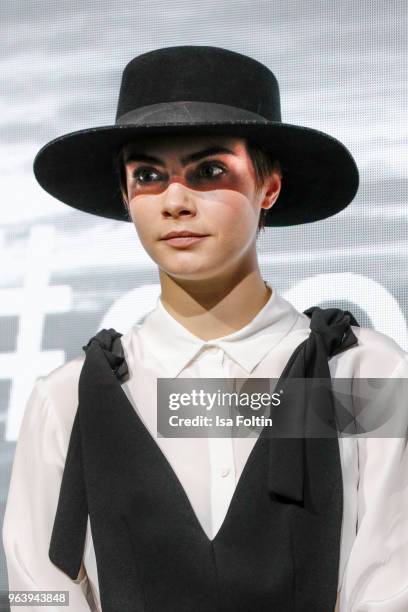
(263, 162)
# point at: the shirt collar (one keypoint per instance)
(175, 346)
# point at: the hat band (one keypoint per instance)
(188, 112)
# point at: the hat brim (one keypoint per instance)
(320, 176)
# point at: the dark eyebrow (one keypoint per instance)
(142, 157)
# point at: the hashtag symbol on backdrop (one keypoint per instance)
(31, 302)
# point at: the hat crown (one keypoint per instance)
(199, 74)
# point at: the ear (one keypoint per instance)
(271, 189)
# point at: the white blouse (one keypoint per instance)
(373, 572)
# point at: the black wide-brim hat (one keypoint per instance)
(200, 89)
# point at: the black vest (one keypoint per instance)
(278, 548)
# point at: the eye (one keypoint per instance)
(142, 174)
(206, 170)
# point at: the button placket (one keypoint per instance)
(221, 451)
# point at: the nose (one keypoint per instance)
(178, 199)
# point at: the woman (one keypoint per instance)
(126, 520)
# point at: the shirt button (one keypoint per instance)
(225, 470)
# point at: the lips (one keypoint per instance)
(181, 234)
(182, 241)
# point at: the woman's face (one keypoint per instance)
(199, 183)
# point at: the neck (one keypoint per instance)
(211, 310)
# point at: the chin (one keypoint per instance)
(185, 273)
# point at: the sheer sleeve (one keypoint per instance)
(31, 506)
(376, 574)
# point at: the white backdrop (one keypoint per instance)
(342, 69)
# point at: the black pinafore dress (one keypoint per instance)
(278, 548)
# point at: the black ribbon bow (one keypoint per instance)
(330, 334)
(109, 341)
